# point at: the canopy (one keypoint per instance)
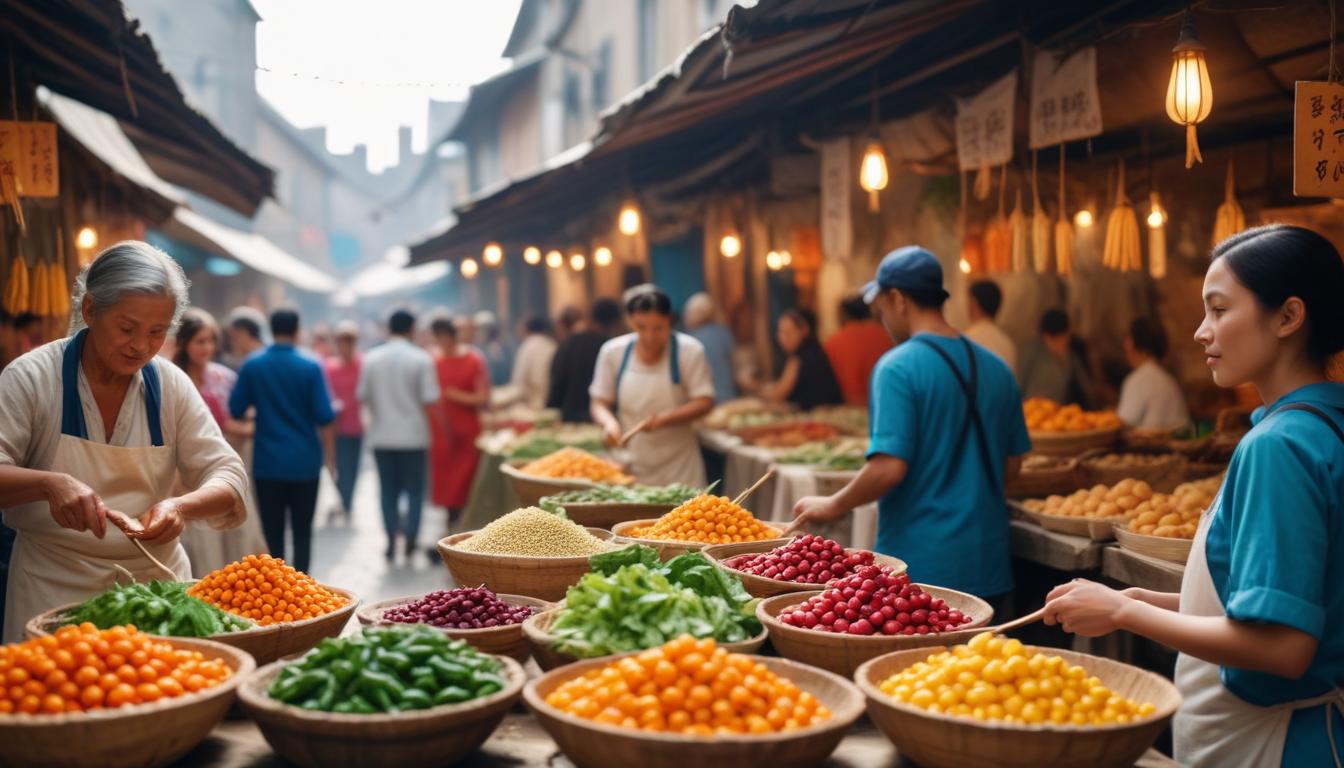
(251, 249)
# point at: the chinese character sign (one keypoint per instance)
(1318, 140)
(985, 125)
(28, 153)
(1064, 103)
(837, 235)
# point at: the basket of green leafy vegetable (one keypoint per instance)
(606, 505)
(631, 601)
(156, 607)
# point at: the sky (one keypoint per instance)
(392, 56)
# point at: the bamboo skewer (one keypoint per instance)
(755, 486)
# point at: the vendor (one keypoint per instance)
(659, 378)
(95, 422)
(1150, 397)
(1256, 622)
(807, 379)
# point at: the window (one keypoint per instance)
(647, 39)
(602, 75)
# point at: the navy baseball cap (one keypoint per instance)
(909, 268)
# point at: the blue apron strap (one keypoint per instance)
(153, 403)
(672, 358)
(620, 374)
(72, 410)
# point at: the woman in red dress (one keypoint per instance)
(465, 383)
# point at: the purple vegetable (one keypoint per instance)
(461, 608)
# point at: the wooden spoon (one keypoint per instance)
(129, 526)
(635, 430)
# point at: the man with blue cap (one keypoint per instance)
(946, 432)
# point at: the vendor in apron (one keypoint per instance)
(1261, 604)
(96, 423)
(659, 379)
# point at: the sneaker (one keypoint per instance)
(433, 554)
(390, 553)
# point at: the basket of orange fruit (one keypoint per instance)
(1068, 430)
(698, 523)
(564, 470)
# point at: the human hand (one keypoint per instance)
(816, 509)
(74, 505)
(611, 435)
(162, 523)
(1085, 608)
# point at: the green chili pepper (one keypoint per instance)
(343, 670)
(360, 705)
(395, 660)
(300, 687)
(344, 707)
(449, 673)
(416, 699)
(451, 695)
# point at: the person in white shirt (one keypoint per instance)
(1150, 397)
(983, 308)
(400, 388)
(532, 366)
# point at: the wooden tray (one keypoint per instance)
(947, 741)
(1073, 443)
(1162, 547)
(536, 630)
(1094, 528)
(760, 586)
(543, 578)
(668, 549)
(608, 514)
(507, 640)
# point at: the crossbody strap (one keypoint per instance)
(1329, 422)
(674, 363)
(972, 421)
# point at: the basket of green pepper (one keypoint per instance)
(606, 505)
(387, 696)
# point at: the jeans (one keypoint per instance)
(401, 471)
(347, 467)
(275, 498)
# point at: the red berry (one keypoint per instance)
(861, 627)
(891, 628)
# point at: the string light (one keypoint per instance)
(1083, 219)
(555, 259)
(469, 268)
(964, 266)
(492, 255)
(730, 246)
(786, 258)
(577, 262)
(773, 261)
(602, 256)
(87, 238)
(532, 254)
(629, 220)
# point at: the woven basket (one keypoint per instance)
(842, 654)
(1162, 474)
(139, 736)
(426, 737)
(543, 578)
(606, 515)
(1162, 547)
(946, 741)
(593, 745)
(1034, 483)
(530, 488)
(1073, 443)
(1094, 528)
(507, 640)
(1142, 440)
(668, 549)
(536, 631)
(1198, 470)
(760, 586)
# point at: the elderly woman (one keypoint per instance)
(95, 424)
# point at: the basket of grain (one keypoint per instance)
(541, 643)
(761, 586)
(502, 640)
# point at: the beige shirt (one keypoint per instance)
(532, 369)
(30, 424)
(991, 337)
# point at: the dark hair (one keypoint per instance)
(649, 300)
(854, 308)
(246, 325)
(1277, 262)
(284, 322)
(401, 322)
(925, 299)
(25, 318)
(605, 312)
(194, 320)
(567, 319)
(442, 326)
(987, 296)
(1148, 336)
(803, 318)
(536, 324)
(1054, 322)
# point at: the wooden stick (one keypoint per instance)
(743, 495)
(640, 427)
(140, 546)
(126, 525)
(791, 527)
(1021, 621)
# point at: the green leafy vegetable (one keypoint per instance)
(623, 494)
(159, 608)
(537, 447)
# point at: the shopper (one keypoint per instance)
(657, 379)
(244, 330)
(946, 433)
(1053, 366)
(806, 378)
(855, 349)
(398, 385)
(701, 319)
(464, 383)
(1256, 621)
(498, 354)
(294, 436)
(532, 366)
(576, 358)
(342, 370)
(1150, 397)
(983, 307)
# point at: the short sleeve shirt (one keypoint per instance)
(289, 391)
(396, 382)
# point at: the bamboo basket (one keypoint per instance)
(1198, 470)
(543, 578)
(946, 741)
(1145, 440)
(593, 745)
(1073, 443)
(536, 631)
(1034, 483)
(139, 736)
(760, 586)
(411, 739)
(1163, 475)
(668, 549)
(1094, 528)
(1162, 547)
(608, 515)
(530, 488)
(842, 654)
(507, 640)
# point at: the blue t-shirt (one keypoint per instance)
(946, 519)
(289, 391)
(1276, 554)
(718, 343)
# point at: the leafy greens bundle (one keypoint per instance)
(159, 608)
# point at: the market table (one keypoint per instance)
(1055, 550)
(1139, 570)
(793, 481)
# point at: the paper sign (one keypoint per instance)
(985, 125)
(1318, 140)
(1064, 103)
(837, 235)
(9, 149)
(28, 151)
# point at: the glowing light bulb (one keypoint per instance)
(730, 246)
(87, 238)
(629, 219)
(532, 254)
(773, 261)
(1083, 219)
(577, 262)
(492, 255)
(469, 268)
(786, 258)
(964, 266)
(554, 259)
(602, 256)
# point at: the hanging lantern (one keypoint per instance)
(730, 246)
(873, 172)
(493, 255)
(577, 262)
(469, 268)
(1189, 92)
(773, 261)
(87, 238)
(1084, 218)
(602, 256)
(554, 259)
(532, 254)
(628, 221)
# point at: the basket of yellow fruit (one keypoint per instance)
(1090, 512)
(1164, 525)
(695, 524)
(1163, 471)
(996, 702)
(564, 470)
(1067, 430)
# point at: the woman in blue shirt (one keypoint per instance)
(1258, 616)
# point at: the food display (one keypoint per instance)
(1044, 415)
(266, 590)
(461, 608)
(82, 668)
(1036, 462)
(999, 679)
(533, 532)
(387, 669)
(1130, 461)
(1176, 514)
(807, 559)
(707, 519)
(691, 687)
(872, 601)
(622, 494)
(788, 434)
(159, 608)
(843, 455)
(542, 442)
(1098, 502)
(575, 464)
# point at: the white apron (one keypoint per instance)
(1214, 727)
(51, 565)
(668, 454)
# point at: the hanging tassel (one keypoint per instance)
(1192, 154)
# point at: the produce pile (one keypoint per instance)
(788, 434)
(844, 455)
(621, 494)
(266, 590)
(807, 559)
(461, 608)
(1124, 461)
(83, 667)
(159, 608)
(1099, 501)
(387, 669)
(574, 464)
(993, 678)
(1045, 415)
(706, 519)
(691, 687)
(533, 532)
(536, 446)
(631, 601)
(872, 601)
(1036, 462)
(1175, 515)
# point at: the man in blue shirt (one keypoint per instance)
(289, 392)
(946, 433)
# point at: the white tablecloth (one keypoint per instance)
(792, 482)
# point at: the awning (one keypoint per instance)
(251, 249)
(385, 277)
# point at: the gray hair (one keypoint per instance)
(129, 268)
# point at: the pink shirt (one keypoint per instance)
(344, 381)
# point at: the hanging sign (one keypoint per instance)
(837, 234)
(28, 151)
(1064, 103)
(1318, 140)
(984, 125)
